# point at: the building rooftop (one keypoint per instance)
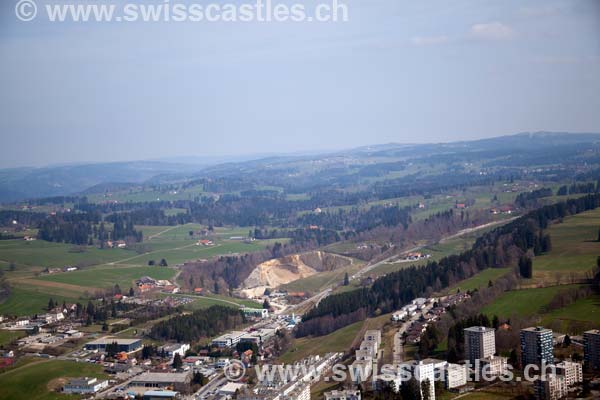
(478, 329)
(158, 393)
(536, 329)
(166, 377)
(108, 340)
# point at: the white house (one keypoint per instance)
(84, 386)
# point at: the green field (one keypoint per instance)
(574, 253)
(525, 302)
(202, 302)
(30, 300)
(576, 317)
(43, 254)
(7, 337)
(574, 246)
(479, 280)
(36, 380)
(138, 194)
(108, 276)
(103, 268)
(340, 340)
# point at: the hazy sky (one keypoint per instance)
(398, 71)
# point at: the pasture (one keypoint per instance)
(340, 340)
(574, 246)
(479, 280)
(525, 302)
(103, 268)
(38, 380)
(108, 276)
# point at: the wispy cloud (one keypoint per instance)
(540, 11)
(429, 40)
(492, 31)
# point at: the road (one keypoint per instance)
(212, 386)
(317, 298)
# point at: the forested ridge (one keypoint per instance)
(503, 246)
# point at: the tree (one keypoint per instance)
(346, 279)
(411, 389)
(148, 351)
(51, 304)
(90, 310)
(117, 289)
(151, 263)
(104, 326)
(266, 304)
(163, 263)
(131, 292)
(199, 379)
(112, 349)
(525, 267)
(513, 359)
(425, 389)
(567, 341)
(12, 266)
(177, 362)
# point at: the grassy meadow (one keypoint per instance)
(38, 380)
(103, 268)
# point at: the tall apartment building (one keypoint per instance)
(551, 388)
(422, 371)
(571, 371)
(591, 349)
(366, 355)
(536, 346)
(480, 342)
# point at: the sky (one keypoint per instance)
(398, 71)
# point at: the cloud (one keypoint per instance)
(429, 40)
(492, 31)
(540, 11)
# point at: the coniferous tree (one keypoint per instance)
(177, 362)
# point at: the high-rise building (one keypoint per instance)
(571, 371)
(537, 346)
(551, 388)
(591, 349)
(423, 371)
(480, 342)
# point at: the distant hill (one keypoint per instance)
(516, 151)
(24, 183)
